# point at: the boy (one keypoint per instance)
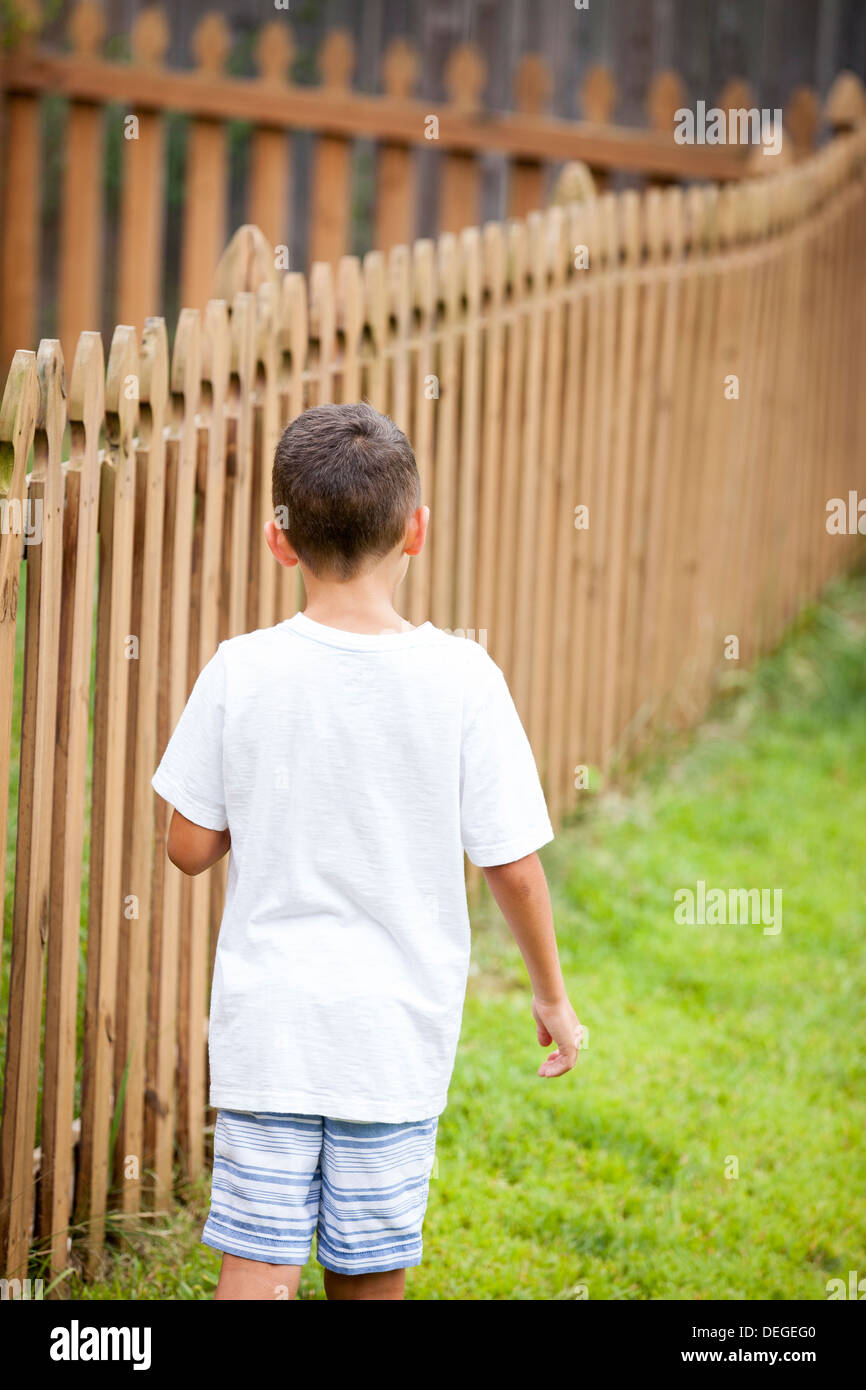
(348, 759)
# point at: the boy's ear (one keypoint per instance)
(278, 545)
(417, 531)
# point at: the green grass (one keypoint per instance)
(706, 1043)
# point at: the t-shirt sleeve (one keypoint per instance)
(190, 774)
(503, 813)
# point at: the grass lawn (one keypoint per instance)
(713, 1049)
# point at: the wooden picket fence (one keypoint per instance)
(95, 263)
(680, 370)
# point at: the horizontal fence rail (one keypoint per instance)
(630, 415)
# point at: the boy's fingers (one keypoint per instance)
(543, 1036)
(558, 1062)
(554, 1066)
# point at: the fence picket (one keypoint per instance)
(86, 411)
(137, 875)
(166, 1090)
(110, 765)
(33, 848)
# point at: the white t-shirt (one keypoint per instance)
(352, 770)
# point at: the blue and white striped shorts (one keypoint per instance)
(361, 1188)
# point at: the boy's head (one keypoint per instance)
(345, 487)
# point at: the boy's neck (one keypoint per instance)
(353, 610)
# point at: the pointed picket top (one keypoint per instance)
(728, 215)
(472, 268)
(215, 344)
(654, 223)
(577, 220)
(674, 221)
(608, 230)
(242, 326)
(759, 164)
(86, 405)
(246, 263)
(465, 76)
(152, 376)
(845, 105)
(21, 29)
(398, 276)
(424, 278)
(399, 70)
(293, 321)
(149, 37)
(349, 298)
(376, 327)
(590, 223)
(736, 95)
(266, 366)
(51, 405)
(574, 184)
(517, 257)
(274, 51)
(493, 261)
(536, 252)
(323, 327)
(375, 292)
(598, 95)
(185, 371)
(121, 409)
(17, 421)
(86, 28)
(323, 311)
(700, 217)
(399, 289)
(336, 60)
(693, 218)
(211, 42)
(777, 205)
(559, 251)
(628, 228)
(759, 210)
(782, 201)
(711, 216)
(745, 213)
(267, 314)
(532, 85)
(448, 273)
(666, 96)
(802, 116)
(123, 374)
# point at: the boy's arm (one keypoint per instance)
(194, 848)
(520, 890)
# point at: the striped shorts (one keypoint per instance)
(360, 1188)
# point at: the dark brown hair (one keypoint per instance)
(345, 484)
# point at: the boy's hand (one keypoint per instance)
(557, 1022)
